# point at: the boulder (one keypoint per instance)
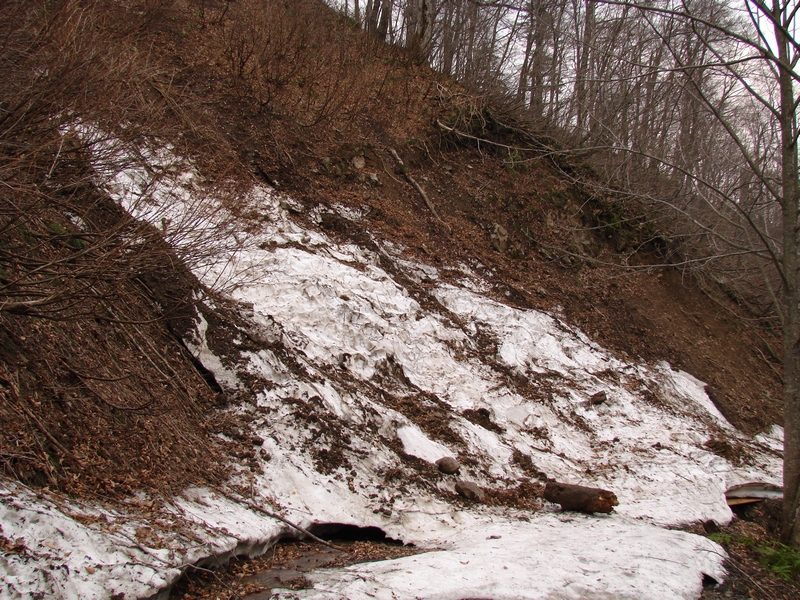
(448, 465)
(470, 490)
(598, 398)
(499, 238)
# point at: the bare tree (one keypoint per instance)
(419, 26)
(737, 199)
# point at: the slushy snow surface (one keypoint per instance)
(364, 346)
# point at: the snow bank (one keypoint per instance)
(386, 378)
(553, 556)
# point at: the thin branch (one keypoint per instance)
(417, 187)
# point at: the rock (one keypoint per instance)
(470, 490)
(580, 498)
(499, 238)
(333, 222)
(598, 398)
(582, 241)
(292, 206)
(359, 162)
(448, 464)
(372, 178)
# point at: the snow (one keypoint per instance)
(199, 347)
(66, 559)
(364, 350)
(772, 439)
(573, 557)
(417, 444)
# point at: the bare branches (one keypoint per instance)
(81, 106)
(416, 186)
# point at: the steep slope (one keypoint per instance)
(306, 337)
(355, 368)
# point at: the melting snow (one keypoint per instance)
(553, 556)
(417, 444)
(368, 348)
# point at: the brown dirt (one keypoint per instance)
(654, 314)
(524, 496)
(282, 565)
(482, 417)
(748, 577)
(106, 406)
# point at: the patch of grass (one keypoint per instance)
(26, 235)
(76, 243)
(56, 229)
(782, 560)
(727, 539)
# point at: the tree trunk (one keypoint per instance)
(544, 23)
(791, 315)
(371, 16)
(448, 43)
(385, 20)
(524, 74)
(418, 26)
(580, 498)
(582, 75)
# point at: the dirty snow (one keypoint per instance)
(364, 350)
(507, 560)
(72, 550)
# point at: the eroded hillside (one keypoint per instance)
(328, 287)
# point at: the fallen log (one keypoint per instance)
(580, 498)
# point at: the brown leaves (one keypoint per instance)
(284, 565)
(8, 546)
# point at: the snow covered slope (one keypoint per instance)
(357, 368)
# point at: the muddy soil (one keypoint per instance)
(283, 566)
(755, 527)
